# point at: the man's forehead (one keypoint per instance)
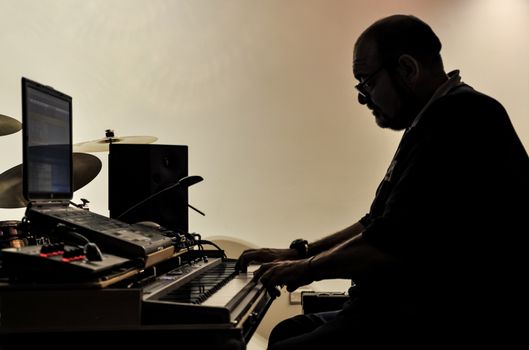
(364, 58)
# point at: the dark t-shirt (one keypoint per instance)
(454, 210)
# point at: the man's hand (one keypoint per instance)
(263, 255)
(292, 274)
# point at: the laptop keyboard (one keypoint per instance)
(85, 218)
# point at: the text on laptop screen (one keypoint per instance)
(47, 142)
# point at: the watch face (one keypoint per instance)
(297, 242)
(301, 245)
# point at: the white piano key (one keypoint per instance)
(229, 290)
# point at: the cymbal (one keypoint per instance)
(85, 169)
(9, 125)
(11, 188)
(102, 145)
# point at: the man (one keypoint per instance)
(438, 258)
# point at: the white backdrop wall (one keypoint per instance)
(260, 91)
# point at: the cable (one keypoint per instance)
(196, 239)
(63, 229)
(203, 241)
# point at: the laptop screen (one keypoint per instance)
(47, 142)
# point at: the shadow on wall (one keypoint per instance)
(280, 308)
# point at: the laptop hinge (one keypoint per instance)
(50, 203)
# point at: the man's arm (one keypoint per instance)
(353, 258)
(335, 239)
(264, 255)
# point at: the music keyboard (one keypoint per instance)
(192, 283)
(209, 292)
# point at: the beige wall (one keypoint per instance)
(261, 91)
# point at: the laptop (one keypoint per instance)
(48, 181)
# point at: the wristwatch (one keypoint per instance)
(301, 246)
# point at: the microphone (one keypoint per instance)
(183, 182)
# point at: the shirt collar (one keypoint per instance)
(454, 79)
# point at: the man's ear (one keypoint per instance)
(409, 69)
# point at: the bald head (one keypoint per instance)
(398, 35)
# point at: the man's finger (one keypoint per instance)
(274, 292)
(244, 260)
(241, 265)
(258, 273)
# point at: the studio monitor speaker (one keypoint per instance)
(137, 171)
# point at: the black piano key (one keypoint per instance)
(204, 285)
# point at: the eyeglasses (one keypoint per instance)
(364, 86)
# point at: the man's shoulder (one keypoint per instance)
(466, 106)
(467, 98)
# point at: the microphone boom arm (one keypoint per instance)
(195, 209)
(185, 182)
